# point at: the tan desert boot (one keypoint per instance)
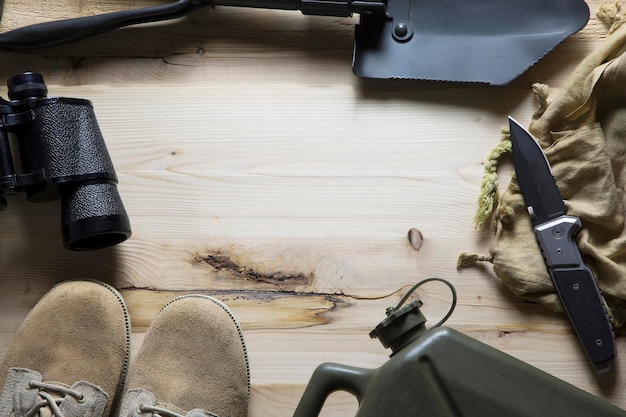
(193, 362)
(70, 355)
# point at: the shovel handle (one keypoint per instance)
(42, 35)
(56, 32)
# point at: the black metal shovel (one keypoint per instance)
(483, 41)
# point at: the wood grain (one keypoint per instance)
(257, 169)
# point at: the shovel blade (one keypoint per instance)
(479, 41)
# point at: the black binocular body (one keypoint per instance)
(62, 155)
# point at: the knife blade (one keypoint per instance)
(556, 231)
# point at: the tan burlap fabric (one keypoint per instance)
(583, 132)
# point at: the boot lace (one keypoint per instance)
(163, 412)
(47, 400)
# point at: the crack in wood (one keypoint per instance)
(504, 333)
(262, 295)
(221, 262)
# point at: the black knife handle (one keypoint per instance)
(581, 298)
(577, 289)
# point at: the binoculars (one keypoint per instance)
(62, 155)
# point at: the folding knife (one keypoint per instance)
(555, 232)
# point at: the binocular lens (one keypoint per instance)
(27, 85)
(93, 216)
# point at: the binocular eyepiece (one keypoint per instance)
(63, 156)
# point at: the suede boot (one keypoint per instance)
(70, 356)
(193, 362)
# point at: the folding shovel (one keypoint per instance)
(482, 41)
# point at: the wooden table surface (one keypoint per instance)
(255, 167)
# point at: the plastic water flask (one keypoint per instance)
(440, 372)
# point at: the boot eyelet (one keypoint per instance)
(81, 399)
